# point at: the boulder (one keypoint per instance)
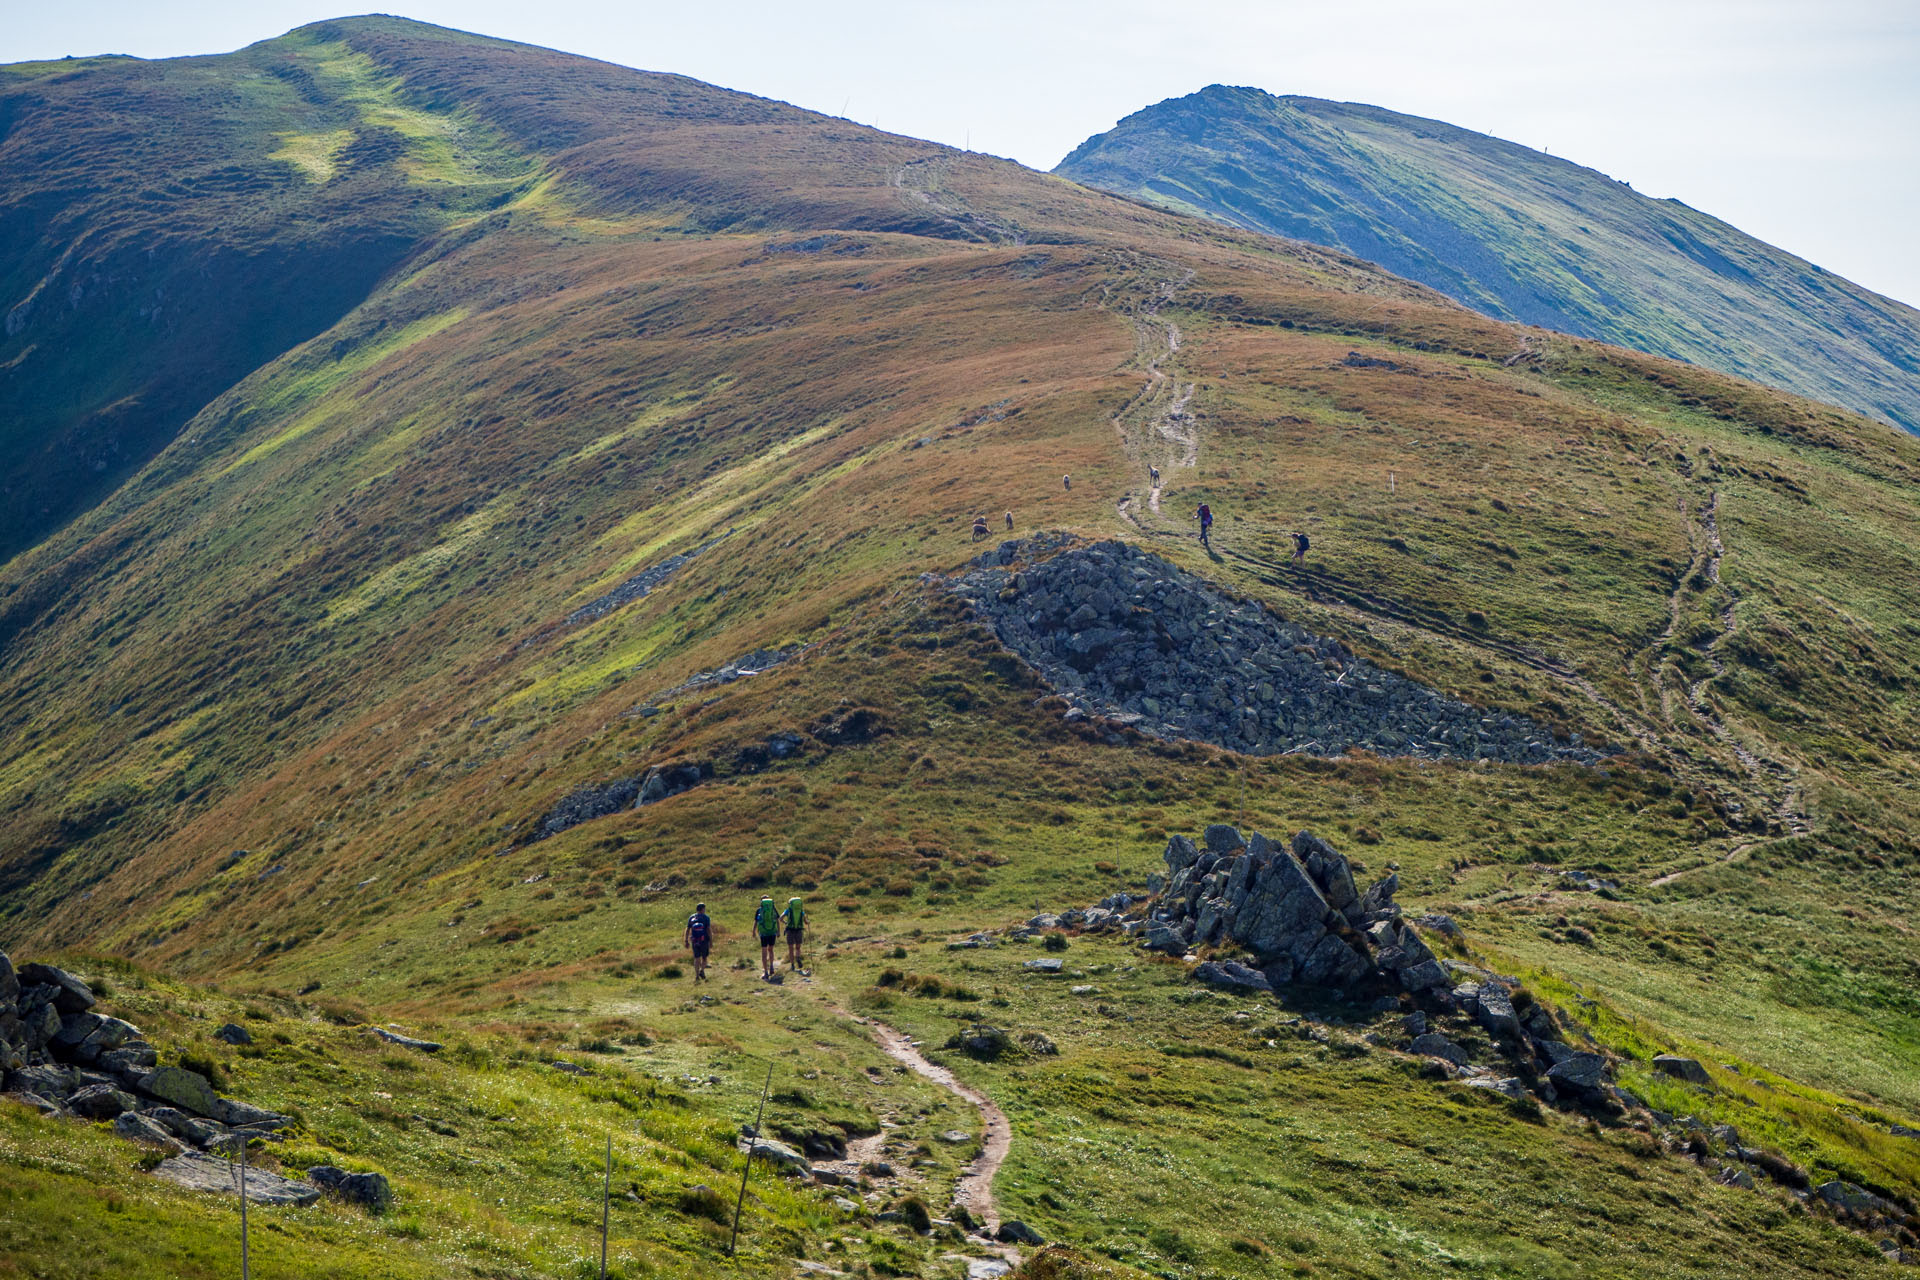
(188, 1090)
(779, 1154)
(1014, 1231)
(74, 1030)
(1432, 1044)
(1680, 1068)
(1495, 1011)
(1582, 1071)
(1048, 965)
(1845, 1195)
(233, 1033)
(244, 1115)
(133, 1056)
(45, 1106)
(1164, 937)
(198, 1172)
(982, 1041)
(9, 981)
(1221, 838)
(107, 1035)
(135, 1127)
(408, 1042)
(100, 1102)
(1425, 976)
(1231, 976)
(368, 1190)
(71, 995)
(1505, 1086)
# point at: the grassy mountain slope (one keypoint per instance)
(282, 713)
(1518, 234)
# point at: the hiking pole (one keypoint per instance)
(748, 1166)
(606, 1198)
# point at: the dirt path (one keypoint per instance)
(974, 1189)
(1155, 427)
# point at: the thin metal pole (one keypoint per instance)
(748, 1166)
(606, 1198)
(244, 1261)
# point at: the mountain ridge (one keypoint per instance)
(1512, 231)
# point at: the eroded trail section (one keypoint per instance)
(1155, 427)
(974, 1189)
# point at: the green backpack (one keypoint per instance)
(767, 918)
(796, 914)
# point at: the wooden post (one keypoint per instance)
(748, 1166)
(244, 1262)
(606, 1199)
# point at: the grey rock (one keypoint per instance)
(198, 1172)
(1163, 937)
(1014, 1231)
(779, 1155)
(245, 1115)
(109, 1035)
(830, 1177)
(1415, 1023)
(9, 981)
(408, 1042)
(368, 1190)
(40, 1025)
(1425, 976)
(1846, 1195)
(100, 1102)
(1231, 976)
(71, 995)
(47, 1081)
(75, 1028)
(1582, 1071)
(135, 1127)
(1221, 838)
(1680, 1068)
(1495, 1012)
(234, 1033)
(45, 1106)
(185, 1089)
(1434, 1045)
(133, 1056)
(1507, 1086)
(1735, 1176)
(1048, 965)
(1725, 1134)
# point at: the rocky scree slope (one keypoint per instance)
(1121, 633)
(1518, 234)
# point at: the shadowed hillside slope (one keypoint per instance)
(1518, 234)
(321, 708)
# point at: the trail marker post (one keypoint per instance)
(606, 1201)
(748, 1166)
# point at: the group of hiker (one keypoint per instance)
(768, 922)
(1203, 514)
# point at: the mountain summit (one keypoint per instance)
(1518, 234)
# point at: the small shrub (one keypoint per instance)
(898, 953)
(1054, 942)
(890, 977)
(669, 971)
(914, 1209)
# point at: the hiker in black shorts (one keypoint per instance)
(766, 923)
(699, 936)
(1300, 545)
(1204, 514)
(795, 918)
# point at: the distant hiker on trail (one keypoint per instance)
(1009, 522)
(699, 936)
(980, 527)
(1066, 482)
(795, 918)
(1300, 545)
(766, 923)
(1153, 474)
(1204, 514)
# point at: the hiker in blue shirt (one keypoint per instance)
(699, 936)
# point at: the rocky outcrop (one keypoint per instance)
(198, 1172)
(1123, 634)
(368, 1190)
(62, 1056)
(1297, 909)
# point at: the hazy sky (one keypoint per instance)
(1796, 120)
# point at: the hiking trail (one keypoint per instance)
(1155, 427)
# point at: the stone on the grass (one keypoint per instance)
(198, 1172)
(1680, 1068)
(1579, 1071)
(1048, 965)
(1014, 1231)
(244, 1115)
(136, 1127)
(234, 1033)
(408, 1042)
(1506, 1086)
(1231, 976)
(369, 1190)
(1432, 1044)
(779, 1155)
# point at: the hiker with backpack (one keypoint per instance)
(1300, 545)
(766, 923)
(1204, 514)
(699, 936)
(795, 918)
